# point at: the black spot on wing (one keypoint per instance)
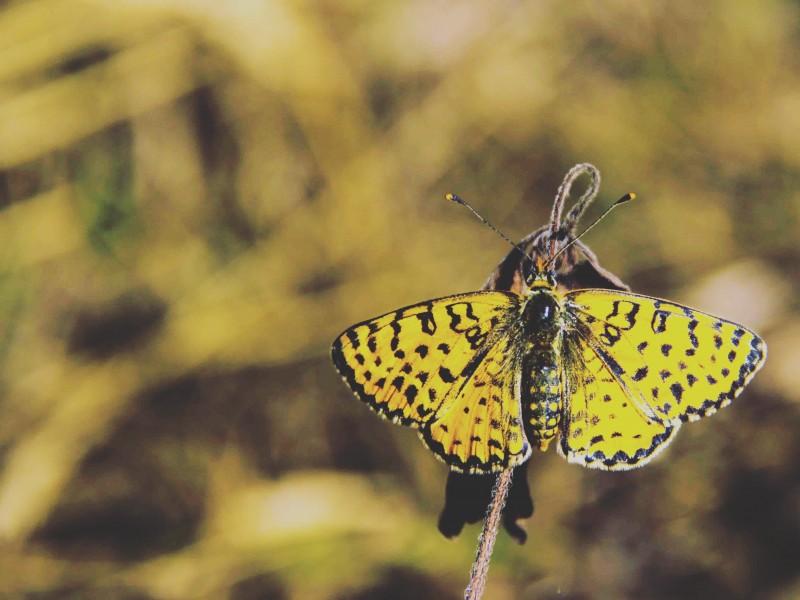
(423, 412)
(353, 337)
(426, 320)
(445, 375)
(411, 393)
(659, 321)
(677, 391)
(396, 334)
(692, 336)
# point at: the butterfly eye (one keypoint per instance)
(529, 279)
(529, 270)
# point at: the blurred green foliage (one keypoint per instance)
(197, 197)
(103, 179)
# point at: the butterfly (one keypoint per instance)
(488, 376)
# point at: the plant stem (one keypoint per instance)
(477, 579)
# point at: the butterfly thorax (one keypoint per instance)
(540, 317)
(541, 382)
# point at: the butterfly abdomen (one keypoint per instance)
(541, 403)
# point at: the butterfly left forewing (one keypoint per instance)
(422, 365)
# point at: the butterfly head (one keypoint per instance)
(540, 274)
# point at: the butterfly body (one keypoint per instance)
(541, 384)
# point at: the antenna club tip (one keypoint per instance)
(453, 198)
(626, 198)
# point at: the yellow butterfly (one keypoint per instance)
(486, 376)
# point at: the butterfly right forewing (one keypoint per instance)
(640, 367)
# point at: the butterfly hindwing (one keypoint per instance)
(422, 365)
(669, 363)
(601, 425)
(478, 429)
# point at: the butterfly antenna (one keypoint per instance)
(623, 200)
(462, 202)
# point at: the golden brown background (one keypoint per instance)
(197, 196)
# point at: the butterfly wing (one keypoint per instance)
(477, 429)
(601, 426)
(441, 366)
(647, 366)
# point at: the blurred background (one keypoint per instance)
(196, 197)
